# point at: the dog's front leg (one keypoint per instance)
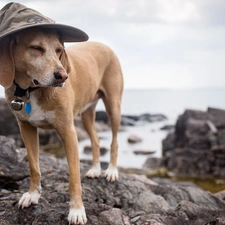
(68, 135)
(30, 137)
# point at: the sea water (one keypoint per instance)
(171, 103)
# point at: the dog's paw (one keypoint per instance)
(29, 198)
(77, 216)
(95, 171)
(111, 173)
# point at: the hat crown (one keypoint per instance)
(15, 16)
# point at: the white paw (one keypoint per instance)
(111, 173)
(77, 216)
(95, 171)
(29, 198)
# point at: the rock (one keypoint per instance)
(217, 116)
(88, 150)
(152, 117)
(152, 163)
(131, 120)
(169, 143)
(167, 127)
(48, 137)
(130, 200)
(132, 139)
(189, 162)
(181, 123)
(11, 168)
(217, 221)
(221, 195)
(131, 117)
(197, 135)
(8, 123)
(101, 116)
(125, 121)
(143, 152)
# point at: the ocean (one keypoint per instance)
(171, 103)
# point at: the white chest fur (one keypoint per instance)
(37, 116)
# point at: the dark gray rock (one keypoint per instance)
(8, 123)
(198, 135)
(217, 116)
(130, 200)
(143, 152)
(152, 117)
(167, 127)
(181, 123)
(126, 121)
(101, 116)
(169, 143)
(131, 120)
(152, 163)
(11, 167)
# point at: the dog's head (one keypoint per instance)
(34, 57)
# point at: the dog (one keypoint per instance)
(60, 83)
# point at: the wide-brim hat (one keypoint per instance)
(16, 17)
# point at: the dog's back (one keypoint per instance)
(98, 69)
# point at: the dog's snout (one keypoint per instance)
(36, 82)
(60, 76)
(57, 75)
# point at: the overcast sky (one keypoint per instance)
(160, 43)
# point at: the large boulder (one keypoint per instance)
(197, 145)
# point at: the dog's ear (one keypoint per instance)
(7, 69)
(65, 61)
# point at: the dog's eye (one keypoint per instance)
(59, 50)
(37, 48)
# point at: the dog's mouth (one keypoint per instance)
(58, 84)
(54, 84)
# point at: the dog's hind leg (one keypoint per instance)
(113, 110)
(88, 120)
(30, 137)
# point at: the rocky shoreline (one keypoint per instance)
(194, 147)
(133, 199)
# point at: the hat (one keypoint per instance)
(15, 17)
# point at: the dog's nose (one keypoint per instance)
(60, 76)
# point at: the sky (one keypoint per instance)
(161, 44)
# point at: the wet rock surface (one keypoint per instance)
(133, 199)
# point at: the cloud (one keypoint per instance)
(160, 43)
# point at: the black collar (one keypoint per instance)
(20, 92)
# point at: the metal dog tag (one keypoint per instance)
(17, 104)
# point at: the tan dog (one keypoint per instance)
(68, 82)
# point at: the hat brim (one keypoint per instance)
(68, 33)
